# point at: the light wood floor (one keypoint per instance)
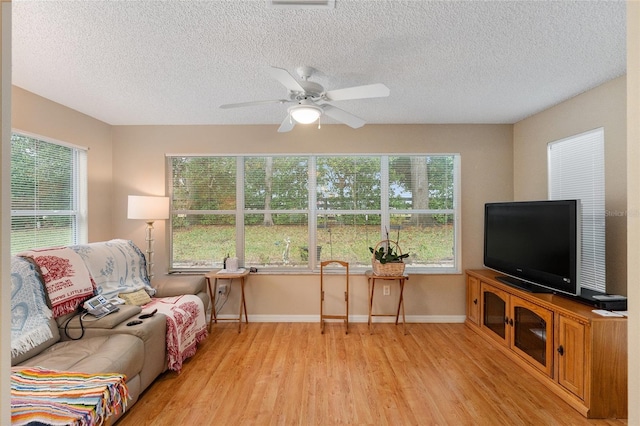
(290, 374)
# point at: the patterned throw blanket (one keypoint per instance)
(116, 266)
(186, 326)
(29, 312)
(41, 396)
(65, 276)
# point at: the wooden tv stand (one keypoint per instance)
(579, 355)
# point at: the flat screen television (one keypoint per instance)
(535, 243)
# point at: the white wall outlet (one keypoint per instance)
(222, 289)
(386, 290)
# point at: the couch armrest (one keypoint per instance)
(107, 322)
(178, 285)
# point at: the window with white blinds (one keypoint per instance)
(576, 171)
(290, 212)
(48, 193)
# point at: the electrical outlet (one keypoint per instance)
(222, 289)
(386, 290)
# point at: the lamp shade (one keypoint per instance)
(148, 208)
(305, 114)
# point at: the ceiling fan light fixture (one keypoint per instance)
(301, 4)
(305, 114)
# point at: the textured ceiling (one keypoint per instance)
(161, 62)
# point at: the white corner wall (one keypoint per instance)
(633, 201)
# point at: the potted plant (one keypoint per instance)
(388, 258)
(388, 252)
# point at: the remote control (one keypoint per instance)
(149, 315)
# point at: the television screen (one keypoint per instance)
(535, 242)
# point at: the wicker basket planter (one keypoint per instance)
(389, 269)
(393, 269)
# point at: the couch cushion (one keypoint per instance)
(179, 284)
(152, 332)
(116, 353)
(32, 326)
(116, 266)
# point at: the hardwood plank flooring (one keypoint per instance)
(290, 374)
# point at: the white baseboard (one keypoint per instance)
(353, 318)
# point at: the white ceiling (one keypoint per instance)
(176, 62)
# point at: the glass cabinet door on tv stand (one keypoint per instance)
(522, 326)
(532, 334)
(494, 313)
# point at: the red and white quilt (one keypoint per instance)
(186, 326)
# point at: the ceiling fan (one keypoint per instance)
(311, 100)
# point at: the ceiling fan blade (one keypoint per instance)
(287, 124)
(377, 90)
(343, 116)
(244, 104)
(286, 79)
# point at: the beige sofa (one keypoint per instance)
(105, 345)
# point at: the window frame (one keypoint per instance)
(79, 210)
(312, 210)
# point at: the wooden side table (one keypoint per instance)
(241, 274)
(371, 280)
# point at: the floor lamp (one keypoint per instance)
(149, 209)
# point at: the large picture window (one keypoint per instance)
(48, 193)
(288, 213)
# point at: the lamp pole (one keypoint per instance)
(149, 240)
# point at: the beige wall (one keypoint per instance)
(40, 116)
(126, 160)
(604, 106)
(486, 157)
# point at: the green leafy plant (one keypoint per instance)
(388, 252)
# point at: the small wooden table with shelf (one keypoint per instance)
(371, 280)
(241, 274)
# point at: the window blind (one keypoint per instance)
(576, 171)
(48, 194)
